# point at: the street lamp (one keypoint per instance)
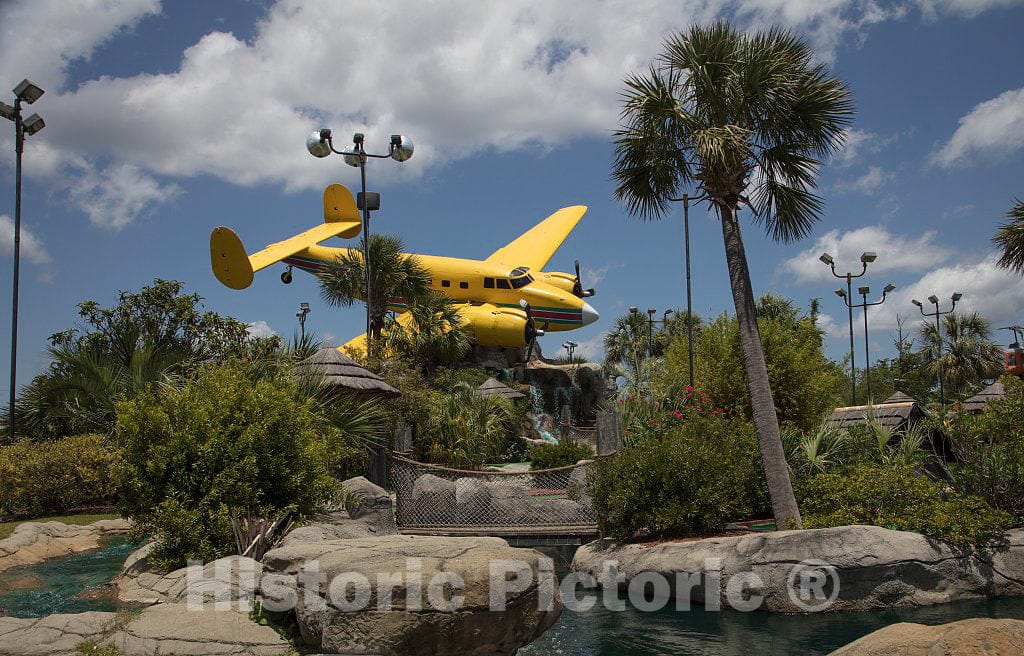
(301, 314)
(866, 258)
(27, 93)
(934, 300)
(689, 295)
(864, 305)
(320, 144)
(570, 346)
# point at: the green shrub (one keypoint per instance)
(51, 478)
(691, 480)
(898, 499)
(222, 441)
(989, 450)
(566, 452)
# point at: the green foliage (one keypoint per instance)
(805, 384)
(222, 441)
(899, 499)
(689, 481)
(989, 450)
(89, 648)
(431, 333)
(566, 452)
(152, 336)
(962, 352)
(54, 477)
(393, 273)
(1010, 239)
(464, 430)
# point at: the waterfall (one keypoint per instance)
(537, 414)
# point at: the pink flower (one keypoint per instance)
(689, 389)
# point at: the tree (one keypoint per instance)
(746, 119)
(395, 277)
(434, 335)
(962, 353)
(1010, 237)
(154, 335)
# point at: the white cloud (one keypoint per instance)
(592, 348)
(827, 323)
(958, 212)
(32, 248)
(114, 197)
(858, 143)
(991, 131)
(261, 329)
(969, 8)
(895, 253)
(869, 184)
(456, 76)
(993, 292)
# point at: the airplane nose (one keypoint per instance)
(590, 315)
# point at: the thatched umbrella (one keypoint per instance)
(492, 387)
(894, 412)
(977, 402)
(344, 375)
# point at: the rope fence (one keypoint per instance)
(435, 499)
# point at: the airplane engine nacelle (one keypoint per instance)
(562, 281)
(504, 329)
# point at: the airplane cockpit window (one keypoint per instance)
(520, 277)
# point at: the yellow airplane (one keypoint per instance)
(506, 300)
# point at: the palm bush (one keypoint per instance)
(962, 353)
(465, 430)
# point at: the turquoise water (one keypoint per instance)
(70, 584)
(699, 633)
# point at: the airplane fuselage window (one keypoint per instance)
(488, 283)
(463, 285)
(503, 284)
(446, 283)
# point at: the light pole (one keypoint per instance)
(689, 295)
(865, 258)
(570, 346)
(301, 314)
(319, 144)
(934, 300)
(864, 305)
(27, 93)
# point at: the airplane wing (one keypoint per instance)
(535, 247)
(235, 269)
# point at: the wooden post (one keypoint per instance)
(403, 439)
(379, 463)
(609, 432)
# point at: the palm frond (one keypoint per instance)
(1010, 238)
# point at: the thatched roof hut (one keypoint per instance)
(493, 387)
(977, 402)
(344, 375)
(895, 412)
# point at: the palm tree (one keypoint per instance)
(435, 334)
(1010, 237)
(394, 275)
(963, 353)
(746, 119)
(626, 343)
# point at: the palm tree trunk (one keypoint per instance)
(766, 423)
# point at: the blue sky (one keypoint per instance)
(165, 120)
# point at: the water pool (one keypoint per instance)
(600, 632)
(70, 584)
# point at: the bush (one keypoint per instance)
(898, 499)
(691, 480)
(566, 452)
(989, 449)
(51, 478)
(224, 441)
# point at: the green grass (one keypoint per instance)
(6, 528)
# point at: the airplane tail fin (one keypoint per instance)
(235, 269)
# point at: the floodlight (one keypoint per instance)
(33, 124)
(572, 344)
(933, 299)
(916, 302)
(352, 156)
(6, 111)
(651, 310)
(304, 307)
(633, 309)
(888, 288)
(401, 147)
(865, 290)
(316, 143)
(957, 296)
(27, 92)
(826, 258)
(868, 257)
(841, 293)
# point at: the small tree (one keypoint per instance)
(1010, 238)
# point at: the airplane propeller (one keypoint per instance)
(577, 288)
(532, 331)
